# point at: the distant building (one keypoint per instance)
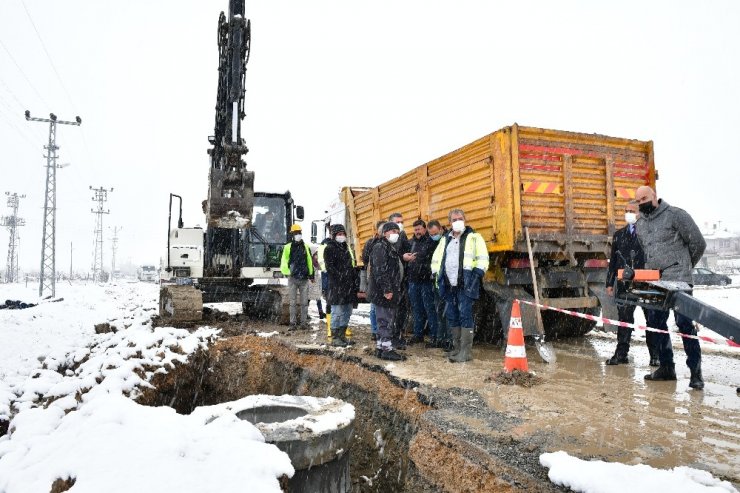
(722, 246)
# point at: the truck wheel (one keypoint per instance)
(559, 325)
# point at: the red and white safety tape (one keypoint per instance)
(726, 342)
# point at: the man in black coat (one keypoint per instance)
(384, 281)
(339, 261)
(403, 247)
(626, 251)
(366, 250)
(421, 288)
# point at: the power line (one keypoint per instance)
(48, 56)
(28, 81)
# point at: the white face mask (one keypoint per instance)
(458, 226)
(393, 237)
(341, 239)
(298, 237)
(630, 217)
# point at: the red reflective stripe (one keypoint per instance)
(540, 167)
(541, 157)
(550, 187)
(532, 187)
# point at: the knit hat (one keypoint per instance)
(335, 229)
(390, 226)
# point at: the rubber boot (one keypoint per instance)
(337, 338)
(696, 382)
(654, 361)
(344, 332)
(466, 347)
(663, 373)
(328, 327)
(623, 346)
(455, 331)
(348, 336)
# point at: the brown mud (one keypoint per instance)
(516, 377)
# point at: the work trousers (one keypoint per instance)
(443, 332)
(298, 293)
(385, 317)
(340, 315)
(459, 308)
(421, 295)
(659, 320)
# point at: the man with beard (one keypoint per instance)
(421, 290)
(672, 244)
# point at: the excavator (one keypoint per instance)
(237, 257)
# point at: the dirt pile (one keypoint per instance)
(516, 377)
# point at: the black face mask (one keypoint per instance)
(646, 208)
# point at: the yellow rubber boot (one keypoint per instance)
(328, 326)
(348, 333)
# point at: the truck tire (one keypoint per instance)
(559, 325)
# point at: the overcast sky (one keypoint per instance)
(349, 93)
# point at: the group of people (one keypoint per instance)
(437, 273)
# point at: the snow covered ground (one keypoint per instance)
(612, 477)
(68, 391)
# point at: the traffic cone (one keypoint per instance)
(516, 355)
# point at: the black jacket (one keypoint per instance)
(367, 249)
(420, 269)
(624, 243)
(342, 276)
(385, 274)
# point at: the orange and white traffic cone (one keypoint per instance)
(516, 355)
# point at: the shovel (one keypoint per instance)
(547, 352)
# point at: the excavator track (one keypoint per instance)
(180, 303)
(268, 302)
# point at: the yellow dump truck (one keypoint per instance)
(568, 188)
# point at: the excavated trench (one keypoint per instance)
(408, 437)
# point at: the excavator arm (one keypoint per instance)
(231, 186)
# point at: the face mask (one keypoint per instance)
(341, 239)
(458, 226)
(393, 237)
(647, 208)
(436, 237)
(298, 237)
(630, 217)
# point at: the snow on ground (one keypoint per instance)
(67, 390)
(612, 477)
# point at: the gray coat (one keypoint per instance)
(671, 240)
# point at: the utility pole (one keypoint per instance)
(115, 248)
(48, 278)
(13, 222)
(101, 196)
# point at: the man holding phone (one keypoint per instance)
(421, 289)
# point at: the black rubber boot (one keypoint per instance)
(663, 373)
(337, 337)
(696, 382)
(649, 340)
(455, 331)
(466, 347)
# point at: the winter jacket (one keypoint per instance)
(671, 241)
(624, 243)
(386, 273)
(297, 263)
(368, 248)
(420, 269)
(473, 263)
(340, 268)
